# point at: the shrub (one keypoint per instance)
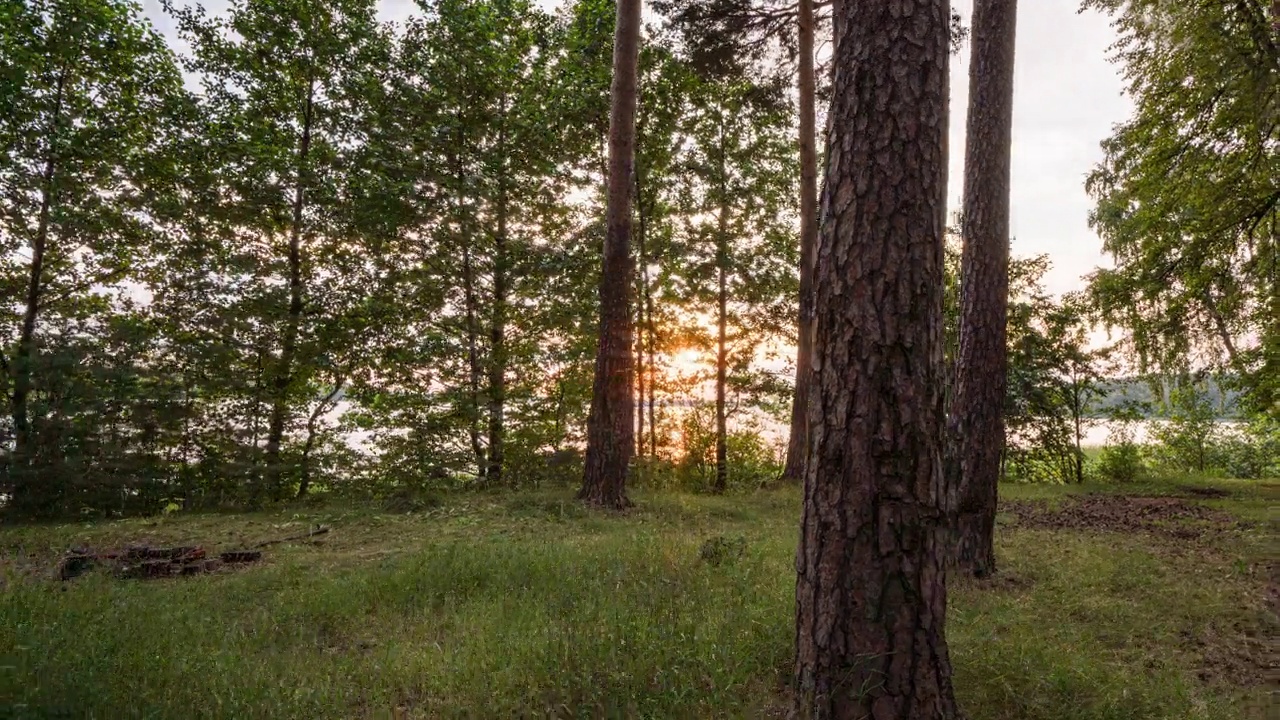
(1252, 452)
(722, 549)
(1190, 438)
(1120, 462)
(752, 460)
(1039, 465)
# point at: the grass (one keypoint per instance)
(526, 605)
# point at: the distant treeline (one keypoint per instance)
(1149, 397)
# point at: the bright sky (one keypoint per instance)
(1067, 97)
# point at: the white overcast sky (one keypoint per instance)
(1067, 97)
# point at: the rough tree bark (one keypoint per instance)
(976, 422)
(282, 378)
(610, 428)
(871, 565)
(794, 469)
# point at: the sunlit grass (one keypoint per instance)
(527, 605)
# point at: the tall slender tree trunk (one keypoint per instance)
(976, 423)
(649, 330)
(1079, 454)
(24, 355)
(652, 344)
(471, 317)
(871, 593)
(324, 406)
(609, 425)
(793, 471)
(282, 378)
(640, 378)
(722, 362)
(645, 353)
(498, 328)
(475, 372)
(642, 280)
(722, 323)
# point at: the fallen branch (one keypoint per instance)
(318, 530)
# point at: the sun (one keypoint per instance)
(688, 360)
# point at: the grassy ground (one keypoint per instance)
(527, 606)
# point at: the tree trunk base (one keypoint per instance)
(791, 475)
(973, 553)
(605, 499)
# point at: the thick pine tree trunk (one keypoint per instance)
(282, 379)
(976, 425)
(610, 427)
(871, 586)
(793, 471)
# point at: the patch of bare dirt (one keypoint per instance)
(1165, 516)
(1243, 653)
(1236, 656)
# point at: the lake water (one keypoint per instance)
(1097, 433)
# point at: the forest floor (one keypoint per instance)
(1112, 602)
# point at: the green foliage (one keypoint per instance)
(1186, 195)
(753, 461)
(1122, 458)
(317, 253)
(1053, 376)
(1121, 461)
(87, 99)
(353, 258)
(1188, 440)
(1253, 452)
(1194, 438)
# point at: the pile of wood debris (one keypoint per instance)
(144, 562)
